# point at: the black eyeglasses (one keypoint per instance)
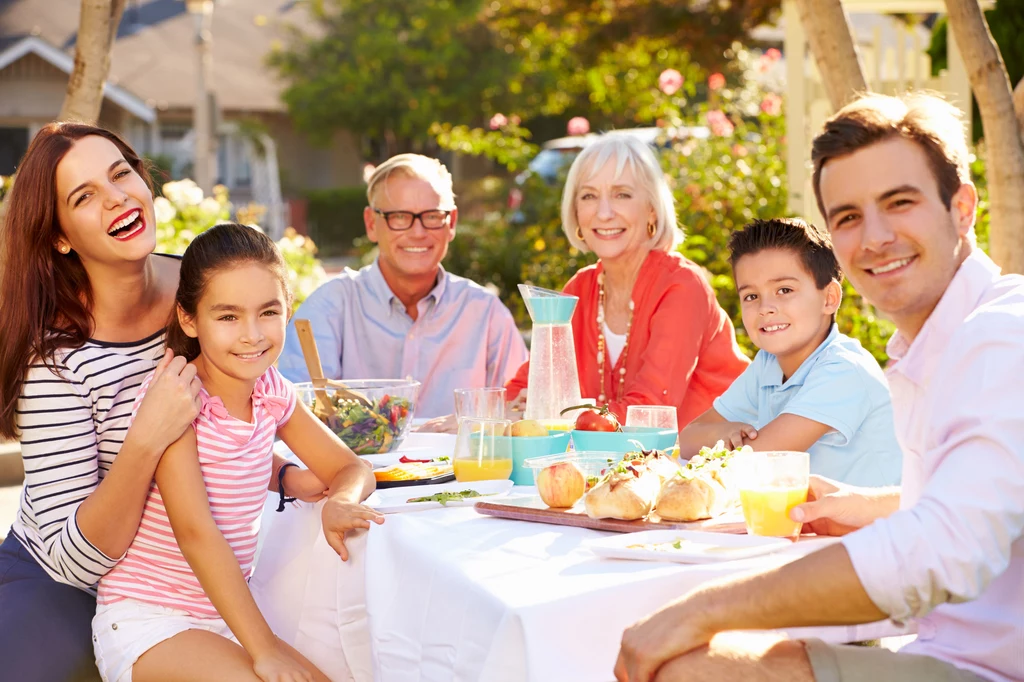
(403, 220)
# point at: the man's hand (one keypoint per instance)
(302, 484)
(654, 641)
(341, 517)
(445, 424)
(837, 509)
(516, 405)
(740, 435)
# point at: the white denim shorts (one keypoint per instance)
(124, 630)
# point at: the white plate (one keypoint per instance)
(696, 547)
(393, 500)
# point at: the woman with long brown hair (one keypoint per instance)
(83, 306)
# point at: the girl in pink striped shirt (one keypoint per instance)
(177, 605)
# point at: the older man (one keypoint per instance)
(404, 316)
(892, 180)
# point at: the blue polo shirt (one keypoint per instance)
(839, 385)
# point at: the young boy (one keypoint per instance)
(810, 388)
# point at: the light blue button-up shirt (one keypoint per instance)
(840, 385)
(463, 336)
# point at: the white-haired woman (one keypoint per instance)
(648, 328)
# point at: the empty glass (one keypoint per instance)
(656, 416)
(480, 403)
(482, 450)
(771, 484)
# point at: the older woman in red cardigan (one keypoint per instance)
(648, 328)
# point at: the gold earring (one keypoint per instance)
(651, 228)
(579, 233)
(64, 248)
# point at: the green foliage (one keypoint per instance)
(378, 70)
(183, 212)
(719, 183)
(335, 218)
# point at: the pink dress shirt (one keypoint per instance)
(953, 556)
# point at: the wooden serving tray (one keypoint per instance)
(533, 509)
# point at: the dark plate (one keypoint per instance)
(444, 478)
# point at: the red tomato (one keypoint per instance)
(595, 420)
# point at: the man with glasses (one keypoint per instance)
(403, 315)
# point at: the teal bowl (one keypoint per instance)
(525, 447)
(650, 437)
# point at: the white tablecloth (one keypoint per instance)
(453, 595)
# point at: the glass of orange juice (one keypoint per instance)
(771, 484)
(482, 450)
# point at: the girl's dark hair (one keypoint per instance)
(45, 297)
(222, 247)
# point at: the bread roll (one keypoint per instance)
(627, 493)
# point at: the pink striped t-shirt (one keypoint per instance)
(236, 460)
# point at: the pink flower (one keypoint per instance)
(773, 54)
(716, 81)
(719, 123)
(739, 150)
(771, 104)
(578, 126)
(515, 120)
(498, 121)
(670, 81)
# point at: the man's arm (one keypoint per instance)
(323, 309)
(820, 589)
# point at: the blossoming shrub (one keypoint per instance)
(183, 212)
(720, 183)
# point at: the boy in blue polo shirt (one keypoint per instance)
(810, 388)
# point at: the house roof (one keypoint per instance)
(153, 58)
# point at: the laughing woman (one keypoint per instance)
(83, 304)
(648, 329)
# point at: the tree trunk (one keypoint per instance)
(1004, 161)
(831, 40)
(97, 29)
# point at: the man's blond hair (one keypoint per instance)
(416, 166)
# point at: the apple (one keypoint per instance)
(526, 427)
(561, 485)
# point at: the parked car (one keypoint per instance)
(553, 160)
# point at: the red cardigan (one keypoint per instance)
(682, 346)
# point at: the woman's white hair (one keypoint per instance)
(627, 152)
(424, 168)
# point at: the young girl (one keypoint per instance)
(177, 606)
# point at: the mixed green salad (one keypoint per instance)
(446, 497)
(366, 431)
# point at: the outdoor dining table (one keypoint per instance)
(449, 594)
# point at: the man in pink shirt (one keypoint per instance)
(945, 551)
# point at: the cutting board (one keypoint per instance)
(533, 509)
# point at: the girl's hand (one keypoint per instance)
(302, 484)
(340, 517)
(171, 403)
(277, 665)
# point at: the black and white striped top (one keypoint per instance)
(72, 427)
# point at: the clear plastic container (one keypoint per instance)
(592, 464)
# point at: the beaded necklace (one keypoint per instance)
(601, 399)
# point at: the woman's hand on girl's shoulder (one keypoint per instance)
(171, 402)
(340, 517)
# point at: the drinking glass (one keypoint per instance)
(658, 416)
(482, 450)
(771, 484)
(480, 403)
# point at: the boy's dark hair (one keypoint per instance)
(221, 247)
(812, 244)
